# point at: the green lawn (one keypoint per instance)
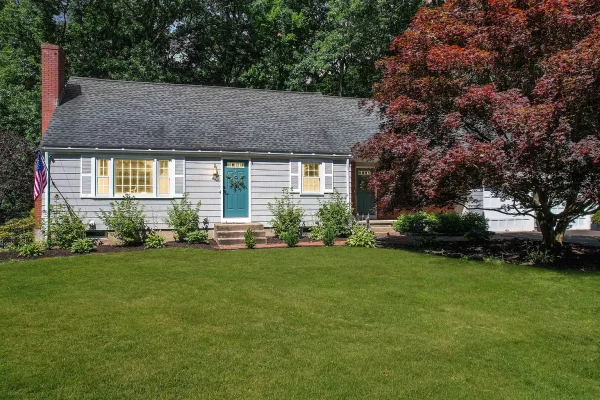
(306, 323)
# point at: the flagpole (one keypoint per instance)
(47, 198)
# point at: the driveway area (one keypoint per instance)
(583, 237)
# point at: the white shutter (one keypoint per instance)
(179, 176)
(87, 176)
(328, 177)
(295, 168)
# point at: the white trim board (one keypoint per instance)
(222, 176)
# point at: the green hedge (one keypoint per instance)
(17, 233)
(472, 225)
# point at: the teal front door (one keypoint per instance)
(236, 181)
(365, 201)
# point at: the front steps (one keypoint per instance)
(381, 227)
(233, 234)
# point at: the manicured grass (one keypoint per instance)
(301, 323)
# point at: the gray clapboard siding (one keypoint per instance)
(268, 177)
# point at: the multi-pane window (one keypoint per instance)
(164, 184)
(134, 177)
(311, 177)
(102, 185)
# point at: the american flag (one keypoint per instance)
(40, 177)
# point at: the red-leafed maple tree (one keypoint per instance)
(500, 93)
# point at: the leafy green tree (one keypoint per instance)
(355, 35)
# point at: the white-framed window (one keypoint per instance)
(311, 177)
(137, 176)
(102, 177)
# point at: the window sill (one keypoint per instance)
(173, 197)
(312, 194)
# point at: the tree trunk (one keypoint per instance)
(553, 230)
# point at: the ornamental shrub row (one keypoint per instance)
(473, 226)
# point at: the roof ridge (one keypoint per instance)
(198, 85)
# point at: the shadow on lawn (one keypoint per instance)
(573, 257)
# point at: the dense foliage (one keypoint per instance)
(183, 217)
(16, 173)
(503, 93)
(17, 233)
(596, 218)
(30, 250)
(127, 221)
(82, 246)
(65, 226)
(361, 237)
(473, 226)
(333, 218)
(197, 237)
(449, 223)
(291, 238)
(411, 223)
(287, 214)
(155, 241)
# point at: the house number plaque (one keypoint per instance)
(235, 165)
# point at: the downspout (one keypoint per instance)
(348, 181)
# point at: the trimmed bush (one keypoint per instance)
(197, 237)
(476, 227)
(287, 215)
(449, 223)
(155, 241)
(334, 219)
(183, 217)
(249, 238)
(82, 246)
(328, 234)
(596, 218)
(31, 250)
(361, 237)
(126, 219)
(290, 238)
(411, 223)
(65, 226)
(17, 233)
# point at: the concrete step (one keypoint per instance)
(239, 227)
(378, 222)
(237, 234)
(239, 241)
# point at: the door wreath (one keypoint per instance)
(236, 183)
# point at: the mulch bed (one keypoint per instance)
(304, 239)
(513, 251)
(102, 249)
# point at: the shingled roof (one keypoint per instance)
(96, 113)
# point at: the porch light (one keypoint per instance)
(215, 173)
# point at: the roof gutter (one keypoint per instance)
(194, 152)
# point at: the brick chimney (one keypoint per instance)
(53, 82)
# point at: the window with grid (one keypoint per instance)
(134, 177)
(311, 177)
(164, 183)
(103, 185)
